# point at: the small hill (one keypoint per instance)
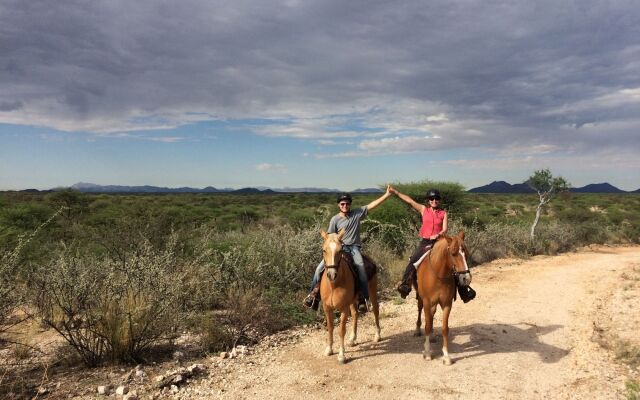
(368, 190)
(597, 188)
(93, 188)
(502, 187)
(251, 190)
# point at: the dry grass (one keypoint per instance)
(632, 389)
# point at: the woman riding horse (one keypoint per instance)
(440, 271)
(434, 225)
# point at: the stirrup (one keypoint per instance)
(362, 308)
(311, 302)
(404, 289)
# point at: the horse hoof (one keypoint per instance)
(342, 360)
(447, 361)
(427, 356)
(328, 352)
(351, 343)
(376, 338)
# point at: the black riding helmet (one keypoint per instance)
(344, 196)
(433, 193)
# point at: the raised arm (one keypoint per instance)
(417, 206)
(380, 199)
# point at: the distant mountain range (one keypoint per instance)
(504, 187)
(93, 188)
(493, 187)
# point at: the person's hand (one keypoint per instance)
(391, 190)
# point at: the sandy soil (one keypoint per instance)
(536, 330)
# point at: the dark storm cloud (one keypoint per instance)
(10, 105)
(548, 72)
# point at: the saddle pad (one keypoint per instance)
(417, 263)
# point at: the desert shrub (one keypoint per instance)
(555, 237)
(109, 307)
(395, 237)
(632, 388)
(390, 266)
(11, 293)
(499, 239)
(493, 241)
(244, 317)
(8, 289)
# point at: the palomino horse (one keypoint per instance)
(437, 276)
(337, 291)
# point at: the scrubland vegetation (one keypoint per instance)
(119, 276)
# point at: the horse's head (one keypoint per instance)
(457, 251)
(331, 252)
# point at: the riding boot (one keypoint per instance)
(404, 287)
(362, 304)
(313, 299)
(466, 293)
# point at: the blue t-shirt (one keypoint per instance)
(351, 225)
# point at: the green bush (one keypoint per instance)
(110, 307)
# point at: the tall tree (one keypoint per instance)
(546, 185)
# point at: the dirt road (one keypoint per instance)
(534, 331)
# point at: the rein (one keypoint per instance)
(455, 274)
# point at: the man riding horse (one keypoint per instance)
(349, 220)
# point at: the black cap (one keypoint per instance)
(344, 196)
(433, 193)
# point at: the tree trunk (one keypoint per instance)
(535, 221)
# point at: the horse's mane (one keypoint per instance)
(439, 251)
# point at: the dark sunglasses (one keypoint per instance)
(433, 198)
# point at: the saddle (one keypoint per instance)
(369, 266)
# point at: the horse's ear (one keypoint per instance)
(461, 234)
(323, 234)
(341, 233)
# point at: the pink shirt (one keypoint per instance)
(431, 222)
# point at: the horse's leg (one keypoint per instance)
(328, 314)
(432, 337)
(354, 327)
(418, 331)
(343, 330)
(428, 329)
(445, 334)
(373, 297)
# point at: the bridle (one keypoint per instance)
(455, 273)
(458, 274)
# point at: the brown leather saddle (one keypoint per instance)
(369, 266)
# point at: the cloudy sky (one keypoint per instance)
(340, 94)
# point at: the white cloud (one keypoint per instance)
(267, 167)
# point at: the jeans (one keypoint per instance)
(354, 250)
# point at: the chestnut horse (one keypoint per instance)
(338, 292)
(437, 276)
